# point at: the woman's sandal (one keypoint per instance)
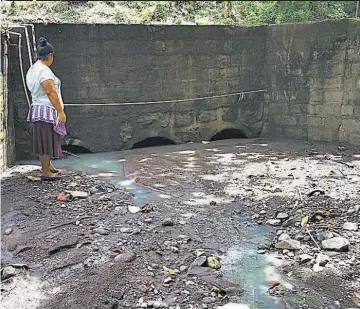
(50, 178)
(54, 171)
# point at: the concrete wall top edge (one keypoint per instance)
(353, 20)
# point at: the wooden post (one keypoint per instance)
(357, 9)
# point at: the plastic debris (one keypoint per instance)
(117, 295)
(336, 174)
(63, 197)
(145, 208)
(20, 265)
(316, 192)
(304, 221)
(33, 178)
(134, 209)
(205, 142)
(317, 217)
(171, 271)
(273, 284)
(78, 194)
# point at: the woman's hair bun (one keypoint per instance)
(42, 42)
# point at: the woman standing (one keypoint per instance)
(47, 110)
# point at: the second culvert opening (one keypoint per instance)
(228, 134)
(153, 142)
(75, 149)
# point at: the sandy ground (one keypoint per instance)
(218, 201)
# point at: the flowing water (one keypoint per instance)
(253, 271)
(107, 167)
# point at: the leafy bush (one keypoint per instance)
(245, 13)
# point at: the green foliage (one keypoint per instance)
(243, 13)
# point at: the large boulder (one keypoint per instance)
(339, 244)
(289, 244)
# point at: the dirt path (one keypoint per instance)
(216, 202)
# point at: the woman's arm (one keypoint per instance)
(49, 89)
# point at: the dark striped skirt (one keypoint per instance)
(45, 140)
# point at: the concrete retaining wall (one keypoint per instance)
(313, 81)
(311, 73)
(110, 64)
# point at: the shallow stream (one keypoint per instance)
(241, 263)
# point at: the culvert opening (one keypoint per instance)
(153, 142)
(228, 134)
(75, 149)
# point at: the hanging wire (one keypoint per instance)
(168, 101)
(21, 65)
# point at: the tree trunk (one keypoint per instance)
(226, 8)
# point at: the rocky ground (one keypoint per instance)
(263, 223)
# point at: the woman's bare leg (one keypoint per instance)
(45, 166)
(52, 167)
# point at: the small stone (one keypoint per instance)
(126, 230)
(158, 304)
(8, 272)
(101, 231)
(339, 244)
(8, 231)
(168, 280)
(279, 232)
(208, 300)
(320, 236)
(114, 303)
(274, 222)
(289, 244)
(317, 268)
(304, 258)
(290, 254)
(261, 251)
(282, 216)
(284, 237)
(213, 262)
(263, 212)
(168, 222)
(199, 261)
(136, 231)
(126, 257)
(350, 226)
(299, 237)
(322, 259)
(357, 208)
(212, 203)
(174, 249)
(183, 268)
(351, 211)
